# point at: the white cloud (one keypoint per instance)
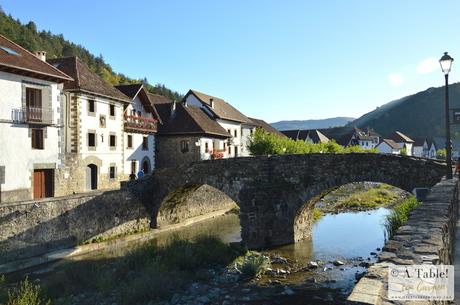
(428, 65)
(396, 79)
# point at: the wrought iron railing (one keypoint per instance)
(139, 123)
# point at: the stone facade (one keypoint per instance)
(169, 154)
(276, 193)
(426, 238)
(192, 201)
(36, 227)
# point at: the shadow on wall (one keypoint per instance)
(30, 229)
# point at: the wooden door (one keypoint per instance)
(39, 184)
(43, 183)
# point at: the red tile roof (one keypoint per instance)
(15, 59)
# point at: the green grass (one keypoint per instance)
(370, 199)
(147, 273)
(399, 215)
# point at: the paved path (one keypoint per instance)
(457, 263)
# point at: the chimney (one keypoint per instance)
(173, 109)
(212, 103)
(41, 55)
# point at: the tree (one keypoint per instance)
(441, 154)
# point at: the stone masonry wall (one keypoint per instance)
(426, 238)
(192, 201)
(169, 153)
(31, 228)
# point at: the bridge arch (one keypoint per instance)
(271, 191)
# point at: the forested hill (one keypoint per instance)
(55, 46)
(418, 115)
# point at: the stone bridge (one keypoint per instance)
(276, 194)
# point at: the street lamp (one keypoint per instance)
(446, 64)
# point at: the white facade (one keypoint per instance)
(237, 145)
(432, 151)
(421, 151)
(384, 148)
(16, 153)
(138, 156)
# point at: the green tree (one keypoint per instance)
(441, 154)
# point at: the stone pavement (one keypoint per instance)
(457, 264)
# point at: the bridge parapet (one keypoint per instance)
(426, 238)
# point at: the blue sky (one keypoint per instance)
(274, 60)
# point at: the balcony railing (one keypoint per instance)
(140, 124)
(32, 115)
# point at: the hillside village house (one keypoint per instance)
(31, 143)
(311, 136)
(237, 124)
(388, 146)
(140, 125)
(403, 141)
(187, 134)
(365, 138)
(424, 148)
(94, 142)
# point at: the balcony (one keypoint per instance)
(140, 124)
(32, 115)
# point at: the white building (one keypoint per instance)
(388, 146)
(233, 121)
(365, 138)
(140, 126)
(30, 123)
(94, 135)
(420, 148)
(403, 141)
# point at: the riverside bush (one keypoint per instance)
(26, 294)
(399, 215)
(264, 143)
(255, 265)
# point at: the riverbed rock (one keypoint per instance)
(313, 265)
(338, 263)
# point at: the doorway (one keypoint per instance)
(146, 166)
(91, 177)
(43, 181)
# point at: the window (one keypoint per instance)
(112, 172)
(91, 139)
(229, 150)
(235, 132)
(133, 167)
(130, 141)
(91, 106)
(33, 98)
(37, 139)
(206, 147)
(112, 110)
(145, 143)
(133, 112)
(113, 140)
(139, 113)
(184, 146)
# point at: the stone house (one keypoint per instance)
(402, 140)
(228, 117)
(388, 146)
(140, 126)
(93, 116)
(187, 134)
(31, 142)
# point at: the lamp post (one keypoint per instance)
(446, 64)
